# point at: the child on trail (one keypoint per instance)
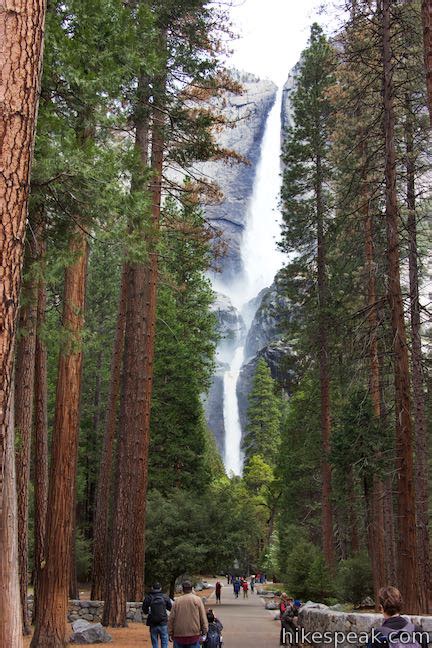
(245, 587)
(214, 637)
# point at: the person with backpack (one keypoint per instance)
(155, 605)
(187, 622)
(214, 636)
(396, 631)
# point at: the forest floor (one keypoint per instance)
(136, 634)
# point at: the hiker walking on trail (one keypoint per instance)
(187, 622)
(155, 605)
(245, 587)
(283, 606)
(236, 587)
(214, 636)
(396, 631)
(252, 583)
(218, 591)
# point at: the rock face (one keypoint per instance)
(273, 310)
(213, 407)
(265, 340)
(247, 115)
(287, 107)
(230, 324)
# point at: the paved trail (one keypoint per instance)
(246, 623)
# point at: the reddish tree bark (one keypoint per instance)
(131, 447)
(324, 374)
(100, 540)
(40, 438)
(50, 628)
(10, 622)
(376, 506)
(24, 390)
(420, 425)
(136, 583)
(407, 537)
(21, 43)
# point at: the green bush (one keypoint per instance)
(354, 578)
(298, 565)
(320, 585)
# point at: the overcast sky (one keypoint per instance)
(272, 35)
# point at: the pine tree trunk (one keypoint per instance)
(40, 439)
(407, 540)
(131, 415)
(427, 42)
(24, 391)
(352, 515)
(21, 43)
(127, 554)
(324, 373)
(420, 427)
(390, 555)
(100, 538)
(51, 630)
(137, 556)
(377, 547)
(73, 584)
(10, 622)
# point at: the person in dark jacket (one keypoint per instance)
(394, 624)
(155, 605)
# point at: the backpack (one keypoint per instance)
(213, 637)
(158, 613)
(398, 641)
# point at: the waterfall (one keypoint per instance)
(261, 261)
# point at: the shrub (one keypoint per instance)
(320, 585)
(354, 578)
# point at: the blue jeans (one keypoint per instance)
(159, 631)
(195, 645)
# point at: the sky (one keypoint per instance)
(272, 35)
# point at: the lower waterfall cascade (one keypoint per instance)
(261, 261)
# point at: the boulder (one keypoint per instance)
(271, 605)
(367, 602)
(89, 633)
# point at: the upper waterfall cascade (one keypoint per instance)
(261, 260)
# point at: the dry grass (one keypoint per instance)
(135, 635)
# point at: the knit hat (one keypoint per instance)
(297, 603)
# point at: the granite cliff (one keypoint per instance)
(246, 116)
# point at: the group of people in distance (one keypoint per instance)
(288, 615)
(242, 584)
(188, 624)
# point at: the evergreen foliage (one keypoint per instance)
(263, 417)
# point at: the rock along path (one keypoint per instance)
(247, 624)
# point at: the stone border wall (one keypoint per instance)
(315, 617)
(93, 610)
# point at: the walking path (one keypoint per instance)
(247, 624)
